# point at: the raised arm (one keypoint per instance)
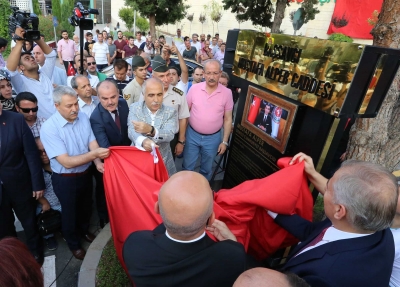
(182, 64)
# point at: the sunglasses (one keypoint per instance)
(27, 111)
(91, 63)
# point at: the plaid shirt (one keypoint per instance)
(35, 128)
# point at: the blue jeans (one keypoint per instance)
(206, 146)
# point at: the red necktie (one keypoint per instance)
(313, 242)
(117, 121)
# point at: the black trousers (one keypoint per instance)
(101, 203)
(75, 196)
(26, 213)
(66, 63)
(173, 144)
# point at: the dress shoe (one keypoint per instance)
(38, 257)
(89, 237)
(51, 243)
(79, 253)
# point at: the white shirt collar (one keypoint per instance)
(333, 234)
(189, 241)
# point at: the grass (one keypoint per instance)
(109, 271)
(319, 212)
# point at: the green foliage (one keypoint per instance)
(36, 7)
(63, 12)
(46, 27)
(128, 34)
(165, 11)
(142, 24)
(126, 15)
(5, 11)
(319, 211)
(310, 9)
(258, 12)
(109, 270)
(56, 8)
(339, 37)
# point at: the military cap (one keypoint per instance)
(138, 61)
(159, 64)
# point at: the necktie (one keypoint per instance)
(314, 241)
(117, 121)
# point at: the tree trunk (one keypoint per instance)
(378, 139)
(152, 20)
(279, 14)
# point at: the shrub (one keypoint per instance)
(339, 37)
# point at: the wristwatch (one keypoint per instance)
(152, 131)
(182, 143)
(225, 143)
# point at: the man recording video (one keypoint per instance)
(31, 80)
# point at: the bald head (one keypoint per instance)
(39, 55)
(264, 277)
(185, 204)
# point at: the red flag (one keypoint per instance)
(71, 71)
(132, 182)
(254, 109)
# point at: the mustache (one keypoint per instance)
(73, 113)
(212, 81)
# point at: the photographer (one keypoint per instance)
(31, 80)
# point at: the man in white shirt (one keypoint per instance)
(100, 53)
(107, 28)
(87, 102)
(31, 80)
(59, 77)
(195, 43)
(138, 41)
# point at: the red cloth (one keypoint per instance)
(350, 17)
(253, 111)
(132, 182)
(242, 208)
(71, 71)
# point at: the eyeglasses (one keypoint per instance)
(27, 111)
(91, 63)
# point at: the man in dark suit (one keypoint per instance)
(353, 246)
(263, 120)
(109, 125)
(179, 252)
(21, 178)
(109, 119)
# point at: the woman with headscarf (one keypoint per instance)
(6, 97)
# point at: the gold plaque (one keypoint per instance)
(315, 72)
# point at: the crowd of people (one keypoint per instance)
(57, 129)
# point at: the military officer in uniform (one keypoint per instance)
(133, 90)
(173, 97)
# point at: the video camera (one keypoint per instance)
(78, 17)
(26, 20)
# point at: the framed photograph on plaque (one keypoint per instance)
(269, 117)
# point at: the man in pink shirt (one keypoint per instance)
(210, 105)
(66, 50)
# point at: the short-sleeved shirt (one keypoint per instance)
(207, 111)
(132, 92)
(62, 137)
(178, 102)
(89, 47)
(100, 51)
(130, 51)
(139, 43)
(67, 49)
(111, 49)
(35, 128)
(190, 54)
(120, 46)
(42, 88)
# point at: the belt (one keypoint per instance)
(204, 134)
(73, 174)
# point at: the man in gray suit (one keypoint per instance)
(152, 124)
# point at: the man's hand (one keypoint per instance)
(308, 162)
(20, 32)
(179, 149)
(222, 148)
(102, 153)
(174, 49)
(61, 61)
(45, 206)
(100, 167)
(220, 231)
(37, 194)
(141, 127)
(146, 144)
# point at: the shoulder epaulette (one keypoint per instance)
(179, 91)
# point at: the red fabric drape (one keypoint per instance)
(350, 17)
(132, 182)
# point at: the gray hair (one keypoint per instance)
(146, 83)
(146, 56)
(369, 192)
(212, 61)
(74, 83)
(225, 76)
(189, 230)
(63, 91)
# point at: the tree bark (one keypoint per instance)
(152, 20)
(378, 139)
(279, 14)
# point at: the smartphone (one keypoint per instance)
(168, 41)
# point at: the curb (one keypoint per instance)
(87, 273)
